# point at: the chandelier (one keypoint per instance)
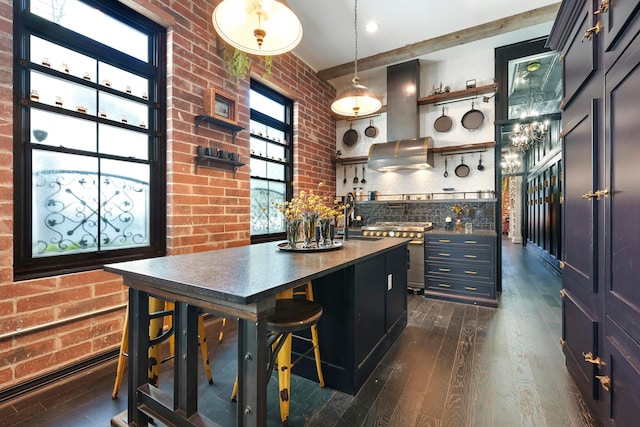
(511, 162)
(526, 135)
(532, 131)
(357, 99)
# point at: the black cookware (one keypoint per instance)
(472, 119)
(462, 170)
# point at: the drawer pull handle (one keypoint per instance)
(605, 382)
(588, 357)
(470, 272)
(443, 254)
(470, 288)
(444, 241)
(471, 256)
(444, 285)
(591, 31)
(471, 242)
(444, 269)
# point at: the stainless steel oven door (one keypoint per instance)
(415, 274)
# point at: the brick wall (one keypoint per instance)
(206, 211)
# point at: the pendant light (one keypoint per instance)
(357, 99)
(258, 27)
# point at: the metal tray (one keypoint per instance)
(284, 246)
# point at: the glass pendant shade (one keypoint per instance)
(258, 27)
(356, 100)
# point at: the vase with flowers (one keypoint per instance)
(307, 210)
(459, 210)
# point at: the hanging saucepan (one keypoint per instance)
(462, 170)
(472, 119)
(350, 137)
(443, 123)
(371, 131)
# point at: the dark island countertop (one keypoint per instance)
(245, 274)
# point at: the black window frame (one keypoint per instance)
(288, 129)
(25, 24)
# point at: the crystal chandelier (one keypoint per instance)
(511, 162)
(526, 135)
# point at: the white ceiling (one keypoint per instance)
(328, 26)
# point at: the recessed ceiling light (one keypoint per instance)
(372, 27)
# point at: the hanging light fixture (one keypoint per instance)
(511, 162)
(526, 135)
(356, 100)
(258, 27)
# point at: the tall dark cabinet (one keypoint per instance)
(600, 45)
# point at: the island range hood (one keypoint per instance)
(405, 150)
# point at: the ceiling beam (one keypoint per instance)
(468, 35)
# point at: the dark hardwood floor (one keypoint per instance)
(454, 365)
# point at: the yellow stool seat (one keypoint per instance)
(290, 315)
(158, 310)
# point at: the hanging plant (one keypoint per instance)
(268, 62)
(238, 63)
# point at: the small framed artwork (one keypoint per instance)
(220, 105)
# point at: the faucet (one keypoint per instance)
(349, 207)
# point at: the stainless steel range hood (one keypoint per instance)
(403, 154)
(405, 150)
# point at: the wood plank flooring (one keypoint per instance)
(454, 365)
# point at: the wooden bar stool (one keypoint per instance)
(290, 315)
(158, 310)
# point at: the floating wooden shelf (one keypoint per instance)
(350, 160)
(220, 123)
(217, 163)
(463, 148)
(465, 93)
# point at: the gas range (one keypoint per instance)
(413, 230)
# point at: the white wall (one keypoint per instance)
(454, 72)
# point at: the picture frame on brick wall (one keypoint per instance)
(221, 105)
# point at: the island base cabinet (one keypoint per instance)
(364, 311)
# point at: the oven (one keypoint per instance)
(414, 231)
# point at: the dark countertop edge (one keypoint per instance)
(481, 233)
(206, 294)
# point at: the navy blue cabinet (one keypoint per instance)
(601, 239)
(461, 267)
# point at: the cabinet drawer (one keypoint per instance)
(461, 240)
(464, 272)
(460, 287)
(454, 254)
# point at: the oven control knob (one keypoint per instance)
(365, 233)
(384, 234)
(404, 234)
(419, 235)
(392, 233)
(377, 233)
(411, 235)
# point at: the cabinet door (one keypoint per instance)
(615, 19)
(370, 288)
(579, 60)
(580, 145)
(623, 127)
(622, 371)
(396, 286)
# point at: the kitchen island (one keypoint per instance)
(361, 286)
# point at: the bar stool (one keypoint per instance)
(158, 310)
(290, 315)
